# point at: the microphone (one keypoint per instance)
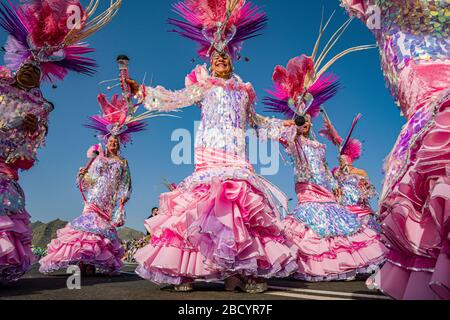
(123, 62)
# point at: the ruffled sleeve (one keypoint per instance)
(22, 146)
(125, 186)
(266, 127)
(161, 99)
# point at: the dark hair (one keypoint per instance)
(123, 57)
(300, 121)
(155, 208)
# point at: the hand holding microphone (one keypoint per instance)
(84, 171)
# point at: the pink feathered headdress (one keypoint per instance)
(304, 86)
(296, 92)
(350, 149)
(218, 25)
(49, 34)
(115, 120)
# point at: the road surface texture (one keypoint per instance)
(129, 286)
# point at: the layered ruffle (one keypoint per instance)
(213, 232)
(406, 277)
(72, 247)
(16, 256)
(336, 257)
(415, 217)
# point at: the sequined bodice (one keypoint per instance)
(352, 193)
(224, 121)
(413, 32)
(15, 142)
(356, 190)
(310, 163)
(107, 182)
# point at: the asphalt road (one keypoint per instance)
(129, 286)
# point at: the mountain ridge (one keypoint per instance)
(44, 233)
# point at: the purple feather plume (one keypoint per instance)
(251, 22)
(279, 106)
(18, 51)
(324, 89)
(98, 123)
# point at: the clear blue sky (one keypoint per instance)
(140, 31)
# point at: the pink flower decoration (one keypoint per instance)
(198, 76)
(94, 151)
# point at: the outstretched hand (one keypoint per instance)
(123, 202)
(30, 123)
(83, 172)
(134, 86)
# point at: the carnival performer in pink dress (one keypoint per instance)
(357, 190)
(223, 222)
(91, 240)
(413, 36)
(332, 243)
(36, 54)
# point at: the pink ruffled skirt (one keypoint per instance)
(334, 258)
(215, 231)
(76, 246)
(16, 256)
(415, 216)
(331, 242)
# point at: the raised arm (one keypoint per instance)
(267, 128)
(161, 99)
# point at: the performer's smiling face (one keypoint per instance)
(113, 145)
(221, 65)
(29, 76)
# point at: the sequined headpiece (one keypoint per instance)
(115, 120)
(218, 25)
(304, 86)
(49, 34)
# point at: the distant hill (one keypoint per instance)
(43, 233)
(130, 234)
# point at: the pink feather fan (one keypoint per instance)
(208, 12)
(353, 149)
(47, 20)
